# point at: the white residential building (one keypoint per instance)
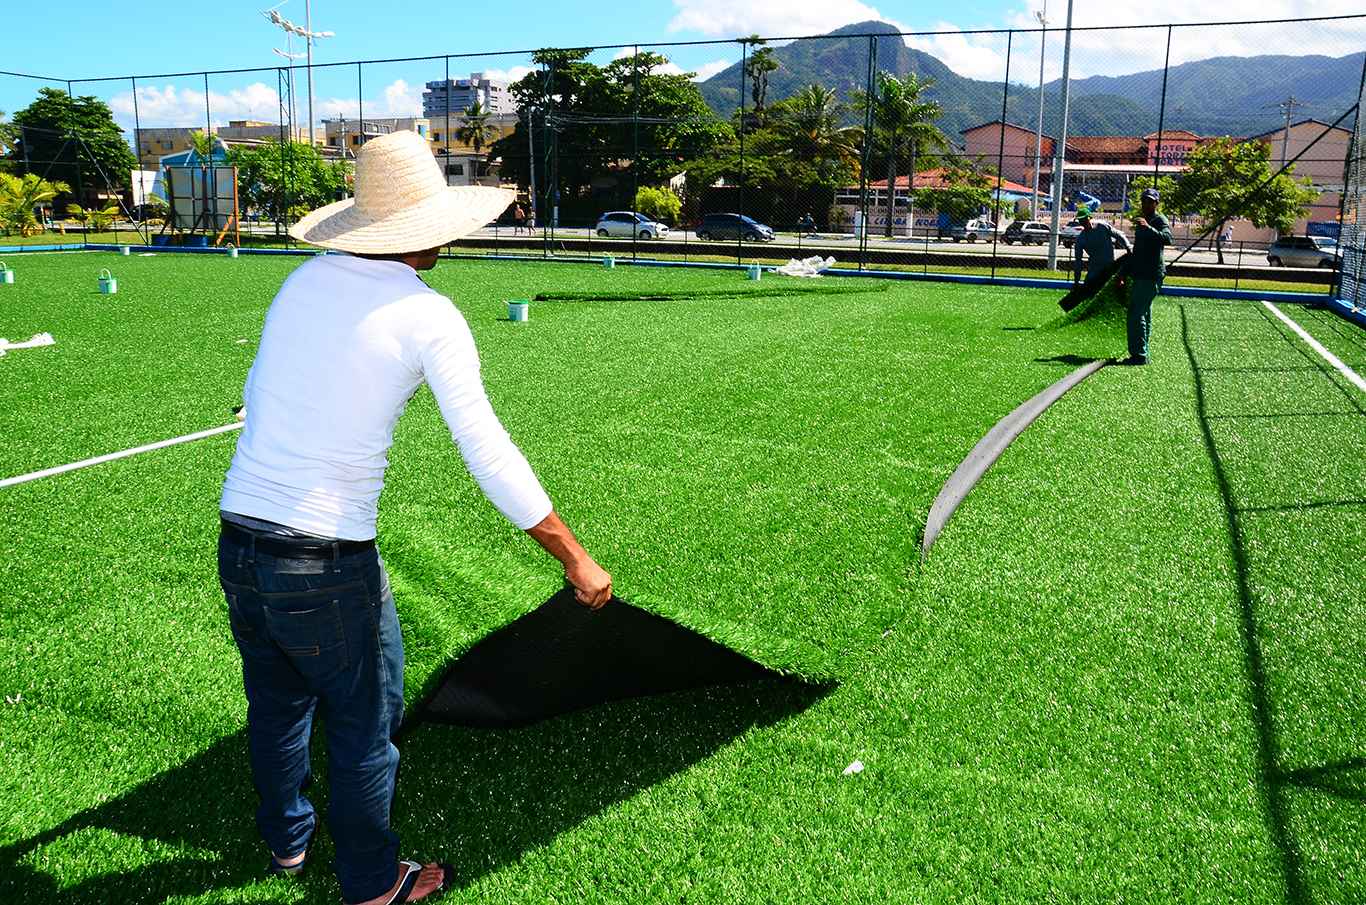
(458, 95)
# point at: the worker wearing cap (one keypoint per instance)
(1152, 233)
(1097, 241)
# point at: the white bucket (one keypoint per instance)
(753, 272)
(609, 262)
(519, 310)
(232, 251)
(108, 285)
(6, 275)
(125, 250)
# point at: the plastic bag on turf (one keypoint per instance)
(813, 266)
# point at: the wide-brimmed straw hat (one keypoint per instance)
(402, 203)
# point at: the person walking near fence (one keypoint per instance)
(518, 218)
(1225, 236)
(347, 341)
(1152, 233)
(1097, 242)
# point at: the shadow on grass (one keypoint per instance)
(1072, 361)
(1274, 780)
(480, 799)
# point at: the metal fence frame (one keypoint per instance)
(544, 199)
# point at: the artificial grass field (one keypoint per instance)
(1130, 669)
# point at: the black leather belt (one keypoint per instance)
(297, 548)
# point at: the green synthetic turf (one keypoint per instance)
(1056, 706)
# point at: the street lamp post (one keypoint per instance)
(306, 32)
(1060, 152)
(1042, 16)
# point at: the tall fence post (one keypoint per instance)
(635, 151)
(861, 220)
(360, 110)
(740, 189)
(279, 185)
(995, 208)
(1162, 107)
(69, 141)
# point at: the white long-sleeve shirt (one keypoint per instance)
(346, 343)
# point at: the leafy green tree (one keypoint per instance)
(661, 204)
(904, 130)
(9, 135)
(1228, 178)
(20, 197)
(758, 65)
(78, 139)
(589, 121)
(278, 178)
(963, 195)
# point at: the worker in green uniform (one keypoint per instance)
(1151, 233)
(1097, 241)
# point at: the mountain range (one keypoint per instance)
(1218, 96)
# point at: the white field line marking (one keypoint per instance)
(1329, 357)
(122, 454)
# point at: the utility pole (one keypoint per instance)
(531, 157)
(1042, 16)
(1060, 152)
(1288, 105)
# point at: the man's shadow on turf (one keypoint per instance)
(477, 798)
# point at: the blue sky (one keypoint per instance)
(108, 39)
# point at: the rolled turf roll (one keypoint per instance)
(1085, 290)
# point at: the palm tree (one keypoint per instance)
(476, 130)
(904, 120)
(810, 121)
(203, 144)
(20, 196)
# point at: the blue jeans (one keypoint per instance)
(319, 636)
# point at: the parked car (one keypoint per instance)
(733, 226)
(1068, 234)
(970, 231)
(1302, 251)
(1026, 232)
(625, 224)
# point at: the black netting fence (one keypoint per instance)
(943, 152)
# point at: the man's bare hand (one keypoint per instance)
(1141, 221)
(592, 584)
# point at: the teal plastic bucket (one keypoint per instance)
(108, 285)
(232, 251)
(6, 275)
(609, 262)
(519, 311)
(125, 250)
(753, 272)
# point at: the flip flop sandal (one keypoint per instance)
(405, 887)
(291, 870)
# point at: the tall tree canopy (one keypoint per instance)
(607, 127)
(904, 131)
(73, 140)
(283, 179)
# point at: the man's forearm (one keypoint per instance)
(555, 537)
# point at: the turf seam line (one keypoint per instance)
(990, 448)
(1352, 376)
(121, 454)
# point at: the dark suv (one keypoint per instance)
(1026, 232)
(733, 226)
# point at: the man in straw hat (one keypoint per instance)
(347, 341)
(1097, 242)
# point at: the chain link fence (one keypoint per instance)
(940, 152)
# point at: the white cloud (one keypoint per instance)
(507, 76)
(702, 73)
(730, 19)
(707, 70)
(171, 105)
(978, 56)
(1123, 51)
